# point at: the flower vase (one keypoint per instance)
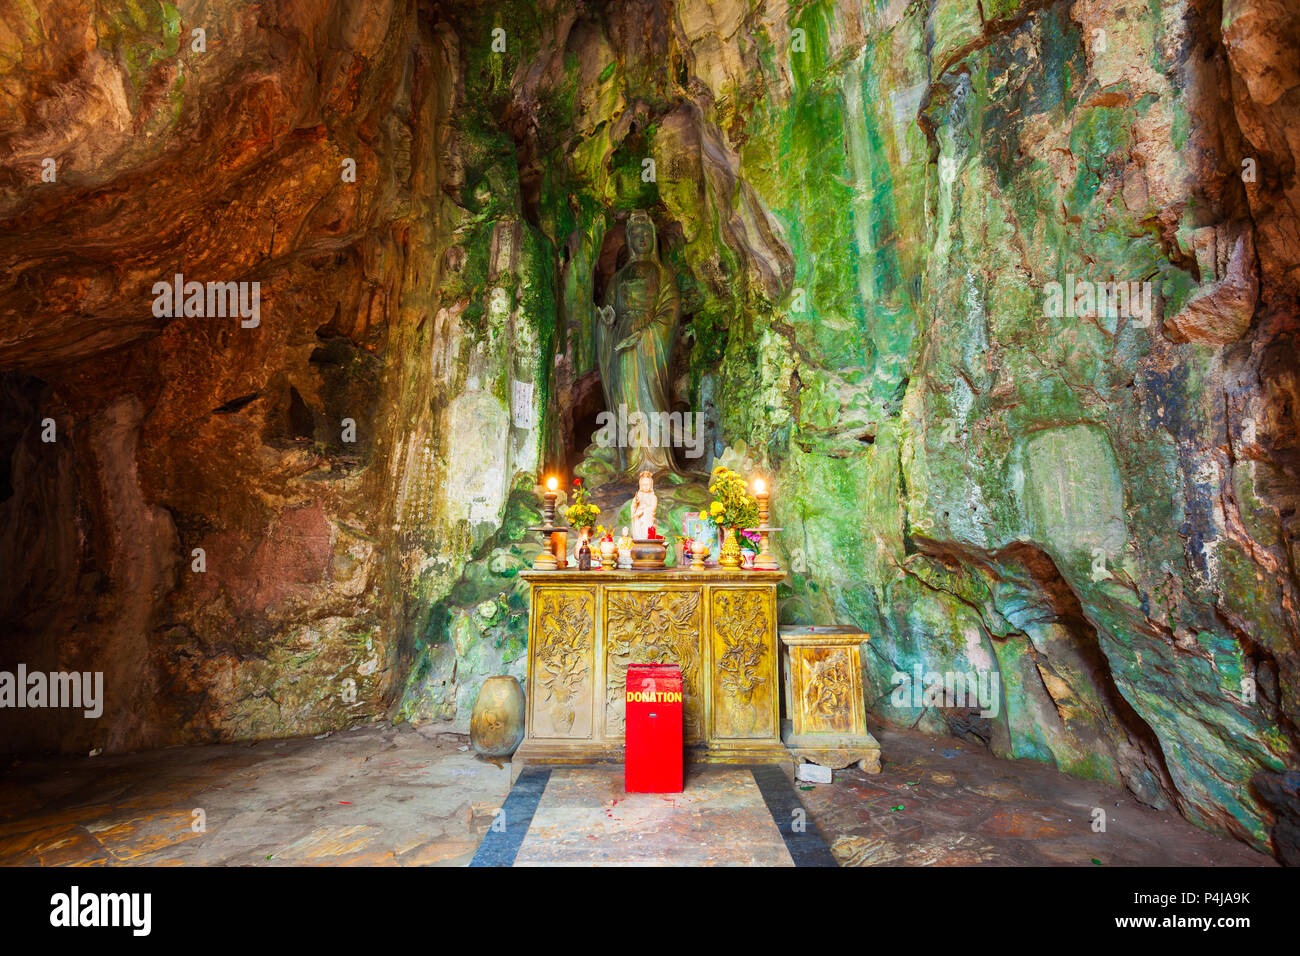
(744, 717)
(562, 713)
(729, 557)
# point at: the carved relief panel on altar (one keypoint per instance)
(744, 663)
(563, 662)
(661, 626)
(822, 679)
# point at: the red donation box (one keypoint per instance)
(653, 761)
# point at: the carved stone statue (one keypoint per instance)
(625, 550)
(634, 341)
(643, 507)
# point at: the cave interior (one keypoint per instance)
(311, 516)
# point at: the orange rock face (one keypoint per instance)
(210, 524)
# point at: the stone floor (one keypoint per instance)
(725, 816)
(377, 795)
(944, 802)
(586, 817)
(381, 795)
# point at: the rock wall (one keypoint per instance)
(867, 206)
(244, 527)
(1099, 508)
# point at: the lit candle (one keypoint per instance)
(546, 559)
(550, 497)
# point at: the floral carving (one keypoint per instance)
(826, 690)
(652, 627)
(742, 630)
(565, 624)
(741, 621)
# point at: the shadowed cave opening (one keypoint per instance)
(588, 398)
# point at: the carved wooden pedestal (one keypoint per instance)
(823, 694)
(585, 627)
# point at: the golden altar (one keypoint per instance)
(719, 626)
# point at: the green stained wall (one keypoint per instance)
(868, 205)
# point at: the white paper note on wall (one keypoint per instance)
(522, 405)
(480, 511)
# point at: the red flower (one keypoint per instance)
(577, 482)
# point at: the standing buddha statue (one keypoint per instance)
(634, 342)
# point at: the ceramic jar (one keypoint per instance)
(496, 724)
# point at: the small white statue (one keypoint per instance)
(643, 507)
(625, 551)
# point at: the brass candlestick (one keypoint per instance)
(548, 558)
(766, 561)
(549, 510)
(545, 560)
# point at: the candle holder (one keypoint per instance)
(548, 511)
(765, 561)
(552, 557)
(545, 560)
